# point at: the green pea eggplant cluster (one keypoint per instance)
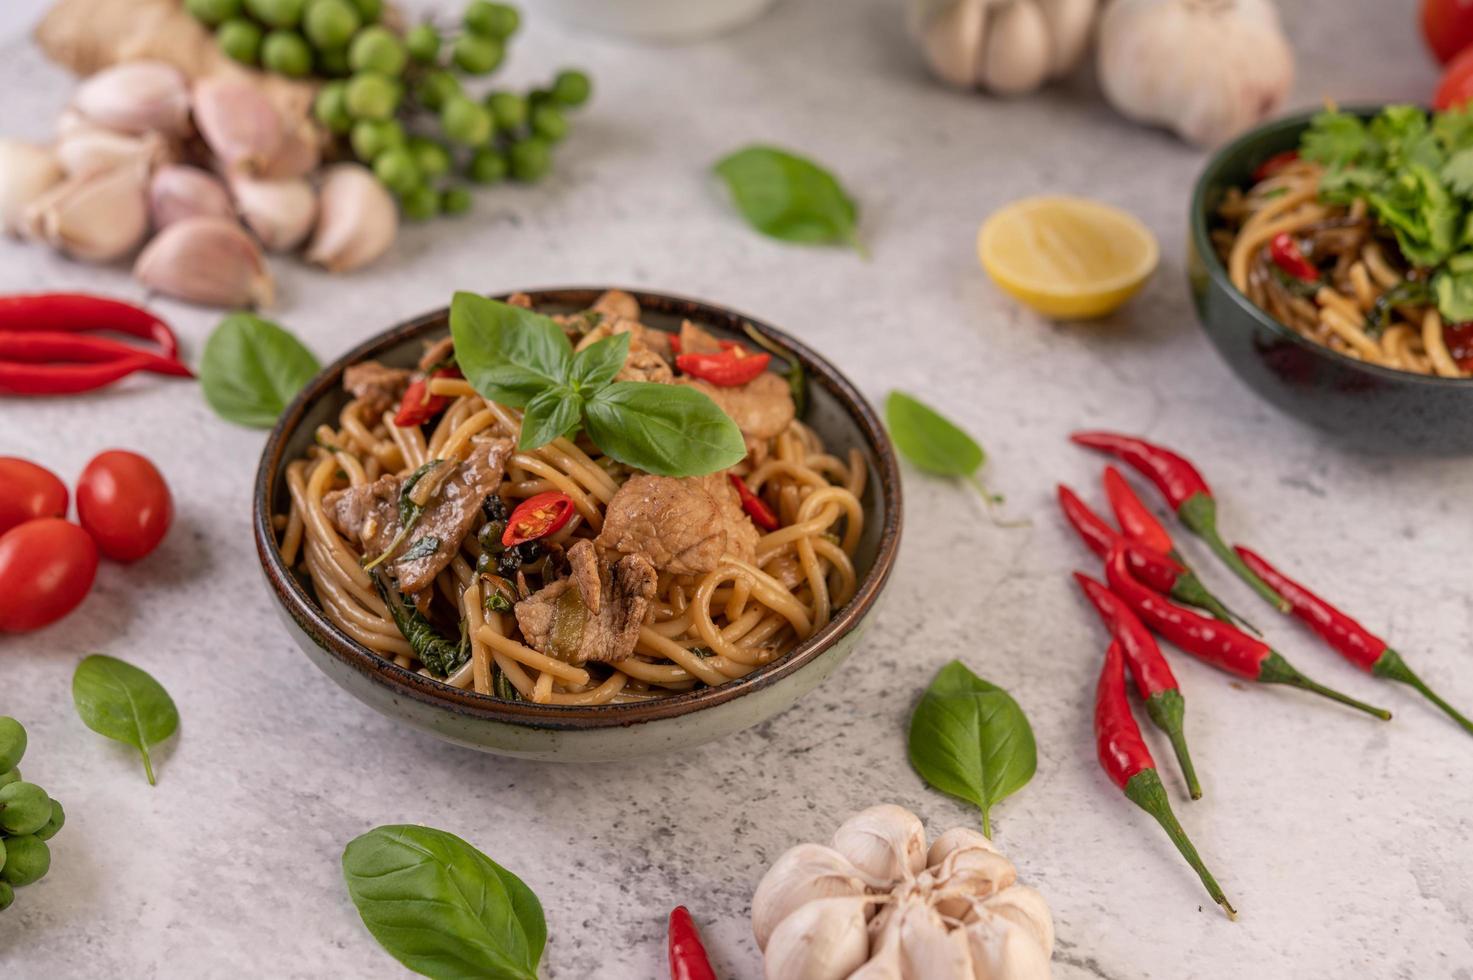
(397, 102)
(28, 818)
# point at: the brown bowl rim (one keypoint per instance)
(407, 683)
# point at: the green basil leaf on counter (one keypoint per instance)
(507, 353)
(251, 369)
(551, 414)
(668, 430)
(787, 197)
(441, 907)
(123, 703)
(970, 739)
(931, 443)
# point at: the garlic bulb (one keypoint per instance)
(93, 151)
(97, 218)
(26, 172)
(357, 219)
(950, 912)
(177, 192)
(1004, 46)
(136, 97)
(280, 212)
(209, 261)
(1206, 69)
(238, 122)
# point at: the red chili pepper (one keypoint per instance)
(1274, 164)
(1346, 636)
(1186, 492)
(81, 313)
(537, 517)
(674, 340)
(688, 960)
(64, 379)
(1284, 250)
(418, 406)
(1215, 642)
(1161, 572)
(43, 346)
(1154, 680)
(728, 369)
(1135, 519)
(1127, 761)
(754, 505)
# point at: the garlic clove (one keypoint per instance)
(928, 949)
(1001, 950)
(884, 948)
(887, 843)
(357, 219)
(97, 218)
(1015, 55)
(177, 192)
(803, 874)
(26, 172)
(238, 122)
(973, 873)
(953, 840)
(824, 939)
(299, 154)
(206, 260)
(952, 41)
(280, 212)
(94, 151)
(136, 97)
(1026, 909)
(1069, 25)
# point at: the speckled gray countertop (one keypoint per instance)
(1343, 842)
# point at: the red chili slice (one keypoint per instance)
(418, 406)
(755, 506)
(1274, 164)
(1284, 250)
(728, 369)
(537, 517)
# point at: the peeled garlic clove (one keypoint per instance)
(97, 218)
(177, 192)
(929, 950)
(956, 839)
(136, 97)
(887, 843)
(26, 172)
(238, 122)
(803, 874)
(89, 152)
(1025, 908)
(209, 261)
(952, 41)
(824, 939)
(299, 154)
(1001, 950)
(357, 219)
(1015, 55)
(280, 212)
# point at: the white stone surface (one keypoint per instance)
(1344, 842)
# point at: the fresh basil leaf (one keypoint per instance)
(548, 416)
(595, 365)
(928, 440)
(423, 548)
(123, 703)
(251, 369)
(970, 739)
(668, 430)
(787, 197)
(507, 353)
(441, 907)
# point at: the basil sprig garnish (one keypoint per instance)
(519, 358)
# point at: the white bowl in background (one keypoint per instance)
(669, 21)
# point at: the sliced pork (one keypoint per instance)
(379, 387)
(762, 408)
(595, 614)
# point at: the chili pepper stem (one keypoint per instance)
(1144, 789)
(1189, 589)
(1167, 709)
(1390, 666)
(1276, 670)
(1199, 513)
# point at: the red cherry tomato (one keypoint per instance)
(46, 568)
(28, 491)
(1447, 26)
(1456, 86)
(537, 517)
(124, 504)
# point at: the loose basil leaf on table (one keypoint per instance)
(668, 430)
(787, 197)
(123, 703)
(251, 369)
(934, 444)
(969, 738)
(441, 907)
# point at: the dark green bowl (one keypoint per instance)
(1367, 406)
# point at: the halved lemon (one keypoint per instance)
(1067, 257)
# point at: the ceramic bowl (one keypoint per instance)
(658, 21)
(1363, 405)
(836, 411)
